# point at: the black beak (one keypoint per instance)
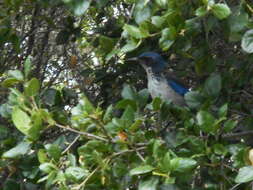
(133, 59)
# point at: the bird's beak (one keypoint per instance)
(133, 59)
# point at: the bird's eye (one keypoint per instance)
(147, 60)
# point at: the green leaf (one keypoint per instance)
(123, 104)
(169, 186)
(158, 21)
(4, 131)
(19, 150)
(201, 11)
(156, 148)
(108, 113)
(143, 96)
(238, 22)
(183, 164)
(244, 175)
(42, 156)
(247, 41)
(72, 159)
(220, 149)
(156, 104)
(16, 74)
(5, 110)
(106, 43)
(130, 46)
(167, 39)
(135, 126)
(21, 120)
(27, 66)
(193, 99)
(192, 26)
(223, 110)
(47, 167)
(128, 93)
(206, 121)
(11, 184)
(221, 10)
(213, 85)
(87, 105)
(16, 97)
(9, 82)
(135, 31)
(53, 151)
(229, 125)
(34, 131)
(128, 115)
(141, 170)
(112, 128)
(32, 87)
(80, 6)
(76, 173)
(46, 116)
(150, 184)
(166, 162)
(51, 97)
(161, 3)
(101, 3)
(110, 55)
(142, 12)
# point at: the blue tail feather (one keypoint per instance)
(178, 88)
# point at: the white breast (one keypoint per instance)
(160, 88)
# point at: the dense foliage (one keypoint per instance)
(75, 115)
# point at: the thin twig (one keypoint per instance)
(234, 187)
(71, 144)
(240, 134)
(87, 178)
(88, 135)
(139, 155)
(107, 160)
(101, 126)
(126, 151)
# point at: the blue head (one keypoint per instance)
(153, 61)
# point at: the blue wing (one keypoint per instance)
(178, 87)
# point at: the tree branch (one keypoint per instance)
(88, 135)
(239, 134)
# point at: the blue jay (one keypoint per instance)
(160, 83)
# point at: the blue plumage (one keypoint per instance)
(178, 88)
(159, 83)
(160, 65)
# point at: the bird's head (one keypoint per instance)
(151, 62)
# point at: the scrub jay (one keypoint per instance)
(160, 83)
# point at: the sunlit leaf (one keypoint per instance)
(16, 74)
(167, 38)
(244, 175)
(19, 150)
(221, 10)
(135, 31)
(193, 99)
(21, 120)
(141, 170)
(213, 85)
(27, 66)
(32, 87)
(150, 184)
(206, 121)
(247, 41)
(76, 173)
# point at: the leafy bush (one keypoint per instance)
(75, 115)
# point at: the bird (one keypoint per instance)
(161, 83)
